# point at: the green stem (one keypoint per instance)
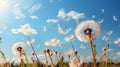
(34, 51)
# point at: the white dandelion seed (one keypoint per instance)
(79, 31)
(19, 45)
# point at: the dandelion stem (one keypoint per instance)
(93, 54)
(74, 51)
(46, 59)
(51, 60)
(33, 50)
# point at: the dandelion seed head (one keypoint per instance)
(19, 46)
(85, 28)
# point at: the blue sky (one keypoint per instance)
(44, 17)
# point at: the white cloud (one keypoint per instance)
(115, 18)
(110, 32)
(116, 58)
(105, 38)
(34, 17)
(18, 12)
(75, 15)
(34, 8)
(44, 29)
(61, 31)
(100, 20)
(32, 41)
(52, 20)
(70, 15)
(61, 14)
(117, 41)
(70, 38)
(14, 31)
(53, 42)
(82, 46)
(25, 29)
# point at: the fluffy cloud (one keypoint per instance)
(70, 15)
(117, 41)
(52, 20)
(115, 18)
(75, 15)
(52, 42)
(61, 31)
(34, 8)
(25, 29)
(34, 17)
(82, 46)
(117, 57)
(18, 12)
(70, 38)
(61, 14)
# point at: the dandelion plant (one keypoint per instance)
(88, 31)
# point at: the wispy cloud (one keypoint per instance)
(25, 29)
(117, 41)
(100, 20)
(115, 18)
(110, 32)
(53, 42)
(35, 8)
(75, 15)
(61, 31)
(52, 20)
(70, 38)
(18, 12)
(61, 14)
(34, 17)
(105, 38)
(70, 15)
